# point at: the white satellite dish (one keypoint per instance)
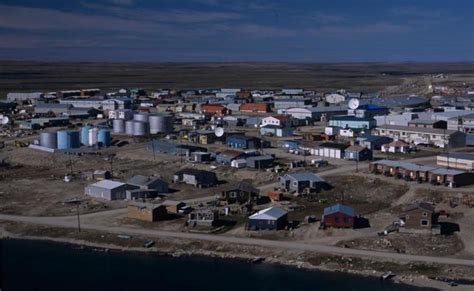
(5, 120)
(353, 103)
(219, 131)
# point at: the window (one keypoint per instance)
(425, 214)
(424, 222)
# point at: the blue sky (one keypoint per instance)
(222, 30)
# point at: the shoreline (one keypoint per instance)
(413, 280)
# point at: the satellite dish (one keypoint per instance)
(5, 120)
(219, 131)
(353, 103)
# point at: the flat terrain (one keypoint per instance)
(386, 78)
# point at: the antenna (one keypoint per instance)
(353, 103)
(219, 131)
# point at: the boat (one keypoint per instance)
(388, 275)
(257, 260)
(149, 243)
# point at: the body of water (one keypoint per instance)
(40, 265)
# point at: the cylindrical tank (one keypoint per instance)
(103, 137)
(68, 139)
(118, 126)
(85, 134)
(129, 127)
(141, 117)
(161, 123)
(49, 140)
(93, 136)
(140, 128)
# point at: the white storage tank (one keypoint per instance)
(118, 126)
(140, 128)
(141, 117)
(49, 140)
(129, 127)
(93, 136)
(161, 123)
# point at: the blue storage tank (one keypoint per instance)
(103, 137)
(85, 134)
(68, 139)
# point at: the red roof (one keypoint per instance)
(259, 107)
(397, 143)
(281, 117)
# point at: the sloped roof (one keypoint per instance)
(421, 205)
(339, 208)
(305, 176)
(272, 213)
(108, 184)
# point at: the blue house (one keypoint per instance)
(373, 142)
(272, 218)
(242, 142)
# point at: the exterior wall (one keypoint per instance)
(329, 153)
(146, 214)
(107, 194)
(361, 156)
(455, 163)
(259, 224)
(414, 218)
(339, 220)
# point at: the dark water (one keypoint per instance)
(36, 265)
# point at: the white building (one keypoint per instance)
(335, 98)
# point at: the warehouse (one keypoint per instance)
(55, 108)
(108, 190)
(338, 216)
(24, 97)
(146, 211)
(463, 161)
(330, 150)
(272, 218)
(352, 122)
(260, 162)
(290, 103)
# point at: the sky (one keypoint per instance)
(237, 30)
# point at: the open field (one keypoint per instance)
(389, 78)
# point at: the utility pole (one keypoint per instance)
(153, 148)
(70, 164)
(78, 218)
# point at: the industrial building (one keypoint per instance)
(108, 190)
(463, 161)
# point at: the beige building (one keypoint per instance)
(464, 161)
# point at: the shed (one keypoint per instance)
(146, 211)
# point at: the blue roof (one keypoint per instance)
(339, 208)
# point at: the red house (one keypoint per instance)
(255, 107)
(339, 216)
(217, 109)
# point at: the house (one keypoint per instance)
(214, 109)
(301, 182)
(329, 150)
(396, 146)
(357, 153)
(463, 161)
(198, 178)
(373, 142)
(243, 142)
(206, 217)
(278, 120)
(108, 190)
(276, 130)
(173, 207)
(201, 157)
(238, 163)
(272, 218)
(226, 157)
(286, 103)
(149, 183)
(418, 218)
(101, 175)
(239, 192)
(428, 123)
(338, 216)
(450, 177)
(426, 136)
(352, 122)
(134, 194)
(255, 107)
(146, 211)
(260, 162)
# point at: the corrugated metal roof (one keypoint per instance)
(339, 208)
(272, 213)
(108, 184)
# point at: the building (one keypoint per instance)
(396, 146)
(357, 153)
(228, 156)
(302, 182)
(418, 218)
(146, 211)
(368, 111)
(464, 123)
(338, 216)
(99, 175)
(108, 190)
(334, 98)
(55, 108)
(305, 113)
(278, 120)
(260, 162)
(352, 122)
(373, 142)
(255, 107)
(149, 183)
(243, 142)
(198, 178)
(24, 97)
(450, 177)
(201, 157)
(425, 136)
(206, 217)
(463, 161)
(214, 109)
(290, 103)
(276, 130)
(272, 218)
(428, 123)
(329, 150)
(173, 207)
(241, 192)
